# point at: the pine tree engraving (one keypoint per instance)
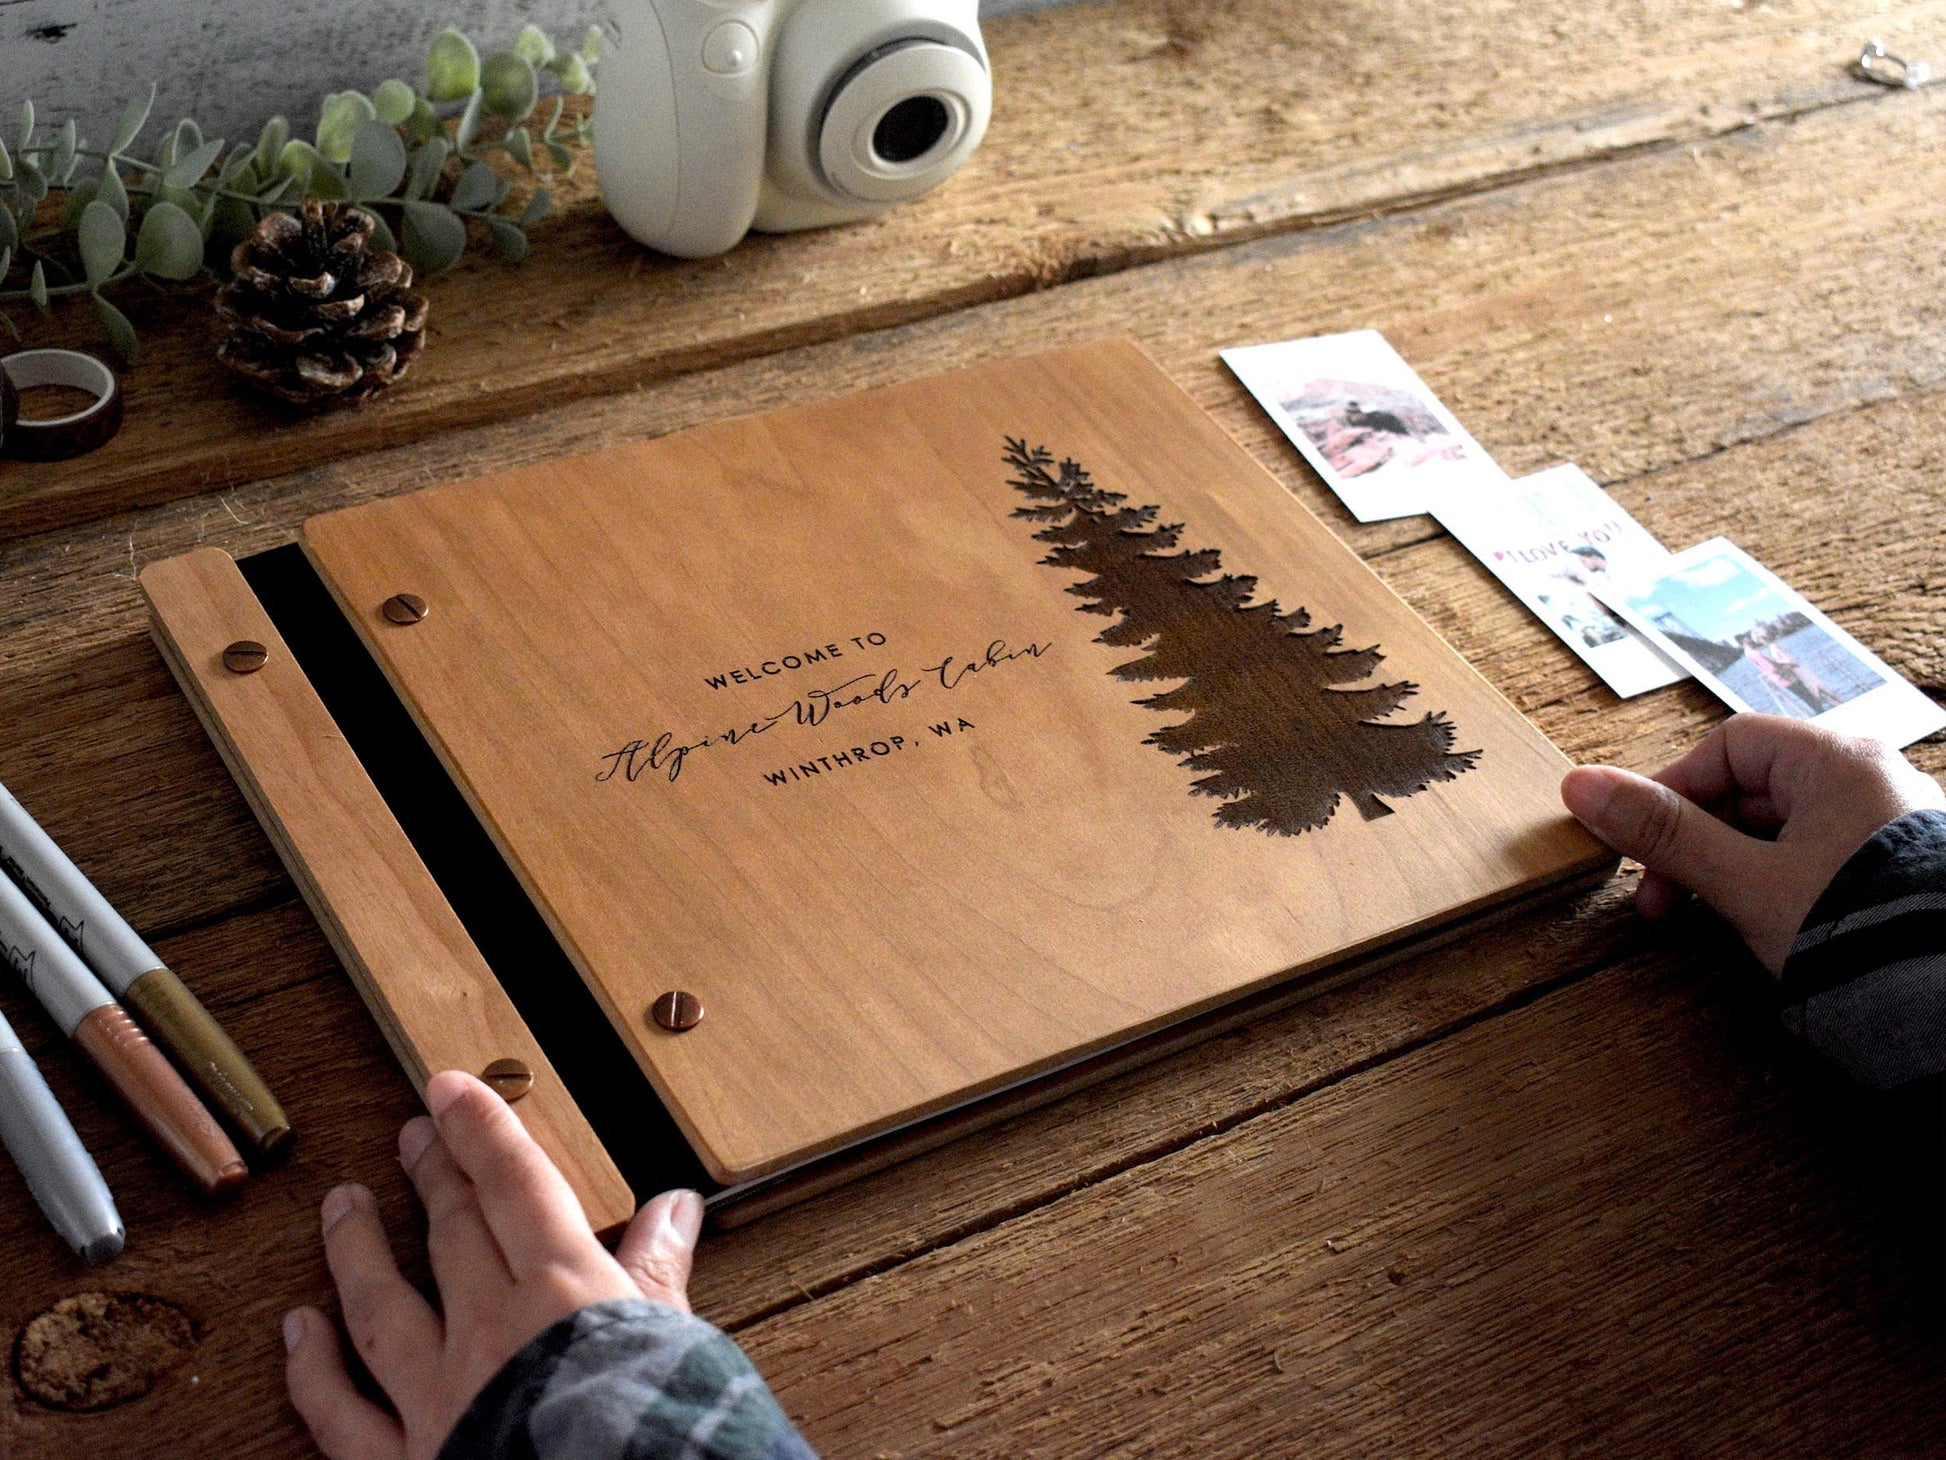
(1272, 720)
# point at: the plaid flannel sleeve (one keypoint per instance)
(1865, 981)
(626, 1380)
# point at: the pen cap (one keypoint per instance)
(79, 914)
(51, 970)
(178, 1022)
(57, 1167)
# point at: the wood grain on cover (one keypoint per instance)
(788, 713)
(424, 981)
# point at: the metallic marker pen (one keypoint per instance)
(171, 1013)
(59, 1170)
(75, 999)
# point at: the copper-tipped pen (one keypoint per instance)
(167, 1108)
(137, 978)
(135, 1068)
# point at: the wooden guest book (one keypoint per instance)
(770, 799)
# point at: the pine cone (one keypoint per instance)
(314, 312)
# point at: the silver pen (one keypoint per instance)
(59, 1170)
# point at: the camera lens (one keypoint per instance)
(910, 129)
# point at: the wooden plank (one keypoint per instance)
(1118, 140)
(427, 986)
(1626, 1218)
(912, 839)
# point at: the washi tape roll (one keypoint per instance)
(59, 437)
(9, 407)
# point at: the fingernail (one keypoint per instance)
(443, 1089)
(293, 1329)
(337, 1202)
(684, 1218)
(414, 1136)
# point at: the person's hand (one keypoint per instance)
(1756, 820)
(511, 1253)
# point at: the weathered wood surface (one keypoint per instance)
(1125, 133)
(1606, 1223)
(1734, 340)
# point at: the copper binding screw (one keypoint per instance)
(404, 608)
(510, 1079)
(677, 1010)
(245, 656)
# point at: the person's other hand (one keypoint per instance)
(511, 1253)
(1756, 820)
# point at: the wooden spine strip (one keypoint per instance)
(421, 976)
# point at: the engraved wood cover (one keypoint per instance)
(940, 735)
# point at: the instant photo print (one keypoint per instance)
(1760, 646)
(1365, 421)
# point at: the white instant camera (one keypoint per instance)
(718, 116)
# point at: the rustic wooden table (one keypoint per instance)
(1563, 1187)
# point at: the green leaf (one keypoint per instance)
(342, 114)
(300, 160)
(469, 123)
(476, 188)
(37, 285)
(26, 133)
(114, 324)
(520, 147)
(422, 172)
(63, 158)
(508, 238)
(424, 123)
(6, 163)
(190, 166)
(135, 116)
(573, 72)
(103, 238)
(232, 221)
(538, 207)
(9, 230)
(6, 262)
(394, 101)
(509, 86)
(533, 46)
(382, 235)
(12, 329)
(184, 140)
(113, 191)
(170, 245)
(276, 191)
(563, 158)
(377, 160)
(240, 157)
(591, 45)
(270, 145)
(327, 182)
(79, 196)
(434, 237)
(452, 67)
(30, 181)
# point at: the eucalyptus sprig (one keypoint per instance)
(416, 159)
